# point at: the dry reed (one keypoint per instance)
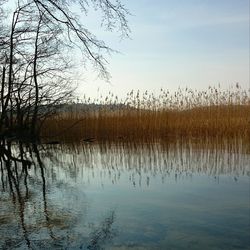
(145, 117)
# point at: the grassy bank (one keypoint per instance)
(146, 117)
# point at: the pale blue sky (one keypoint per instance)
(194, 43)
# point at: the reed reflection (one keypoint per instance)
(140, 163)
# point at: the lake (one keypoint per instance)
(125, 196)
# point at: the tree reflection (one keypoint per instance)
(101, 234)
(16, 162)
(16, 168)
(24, 206)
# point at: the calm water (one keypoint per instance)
(124, 197)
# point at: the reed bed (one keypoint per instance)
(146, 117)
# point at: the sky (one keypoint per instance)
(184, 43)
(193, 43)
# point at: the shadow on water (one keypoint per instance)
(44, 205)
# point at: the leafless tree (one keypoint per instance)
(35, 56)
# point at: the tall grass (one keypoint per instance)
(186, 113)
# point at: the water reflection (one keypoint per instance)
(50, 195)
(143, 162)
(28, 219)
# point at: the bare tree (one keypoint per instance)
(35, 54)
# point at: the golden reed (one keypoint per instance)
(145, 117)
